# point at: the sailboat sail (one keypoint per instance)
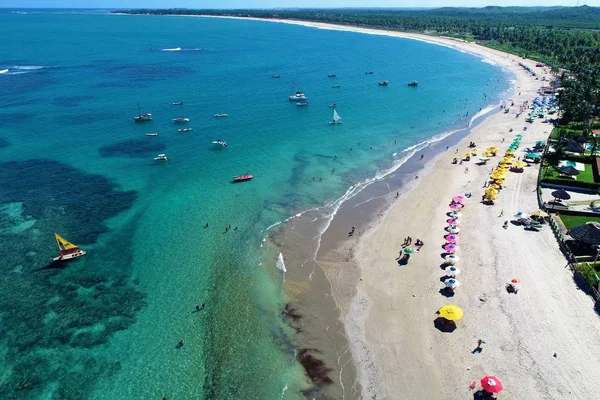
(336, 116)
(65, 246)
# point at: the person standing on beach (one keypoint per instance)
(501, 213)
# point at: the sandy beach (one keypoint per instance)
(389, 314)
(388, 310)
(542, 342)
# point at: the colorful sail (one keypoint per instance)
(65, 246)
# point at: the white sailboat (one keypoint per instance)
(336, 118)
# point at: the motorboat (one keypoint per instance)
(276, 76)
(336, 86)
(337, 120)
(184, 130)
(178, 103)
(299, 96)
(413, 83)
(151, 134)
(221, 115)
(383, 83)
(302, 104)
(161, 157)
(181, 120)
(220, 142)
(332, 105)
(331, 75)
(369, 73)
(143, 118)
(68, 251)
(243, 178)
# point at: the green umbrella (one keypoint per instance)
(409, 250)
(540, 143)
(532, 156)
(519, 136)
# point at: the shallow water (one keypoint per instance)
(73, 161)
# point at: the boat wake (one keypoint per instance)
(182, 49)
(21, 69)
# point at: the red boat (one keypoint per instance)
(242, 178)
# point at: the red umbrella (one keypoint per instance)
(452, 221)
(491, 384)
(459, 199)
(452, 238)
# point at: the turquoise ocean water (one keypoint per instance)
(73, 161)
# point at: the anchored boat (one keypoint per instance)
(181, 120)
(220, 142)
(383, 83)
(242, 178)
(161, 157)
(413, 83)
(151, 134)
(68, 250)
(142, 117)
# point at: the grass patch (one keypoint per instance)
(571, 221)
(552, 172)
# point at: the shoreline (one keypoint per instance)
(386, 312)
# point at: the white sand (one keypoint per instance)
(389, 321)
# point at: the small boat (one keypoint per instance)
(332, 105)
(302, 104)
(161, 157)
(369, 73)
(178, 103)
(151, 134)
(184, 130)
(220, 142)
(413, 83)
(68, 251)
(222, 115)
(383, 83)
(242, 178)
(181, 120)
(337, 120)
(142, 117)
(276, 76)
(298, 96)
(336, 86)
(331, 75)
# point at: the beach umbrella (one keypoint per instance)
(540, 143)
(491, 384)
(453, 221)
(451, 283)
(409, 250)
(455, 214)
(533, 156)
(518, 136)
(484, 159)
(587, 233)
(515, 280)
(468, 155)
(509, 152)
(491, 190)
(493, 148)
(496, 187)
(452, 270)
(491, 197)
(574, 147)
(453, 238)
(561, 194)
(451, 248)
(459, 199)
(450, 312)
(520, 164)
(453, 229)
(474, 150)
(540, 213)
(506, 161)
(451, 258)
(456, 206)
(569, 170)
(499, 181)
(488, 154)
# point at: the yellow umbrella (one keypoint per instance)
(520, 164)
(491, 191)
(510, 152)
(452, 313)
(499, 174)
(488, 154)
(496, 186)
(474, 150)
(540, 213)
(468, 155)
(493, 148)
(499, 181)
(505, 161)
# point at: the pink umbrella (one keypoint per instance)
(453, 238)
(452, 221)
(459, 199)
(450, 248)
(456, 206)
(491, 384)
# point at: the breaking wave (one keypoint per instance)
(21, 69)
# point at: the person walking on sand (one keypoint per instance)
(505, 226)
(501, 213)
(397, 195)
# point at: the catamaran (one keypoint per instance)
(68, 251)
(220, 142)
(185, 130)
(337, 120)
(299, 96)
(221, 115)
(161, 157)
(180, 120)
(142, 117)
